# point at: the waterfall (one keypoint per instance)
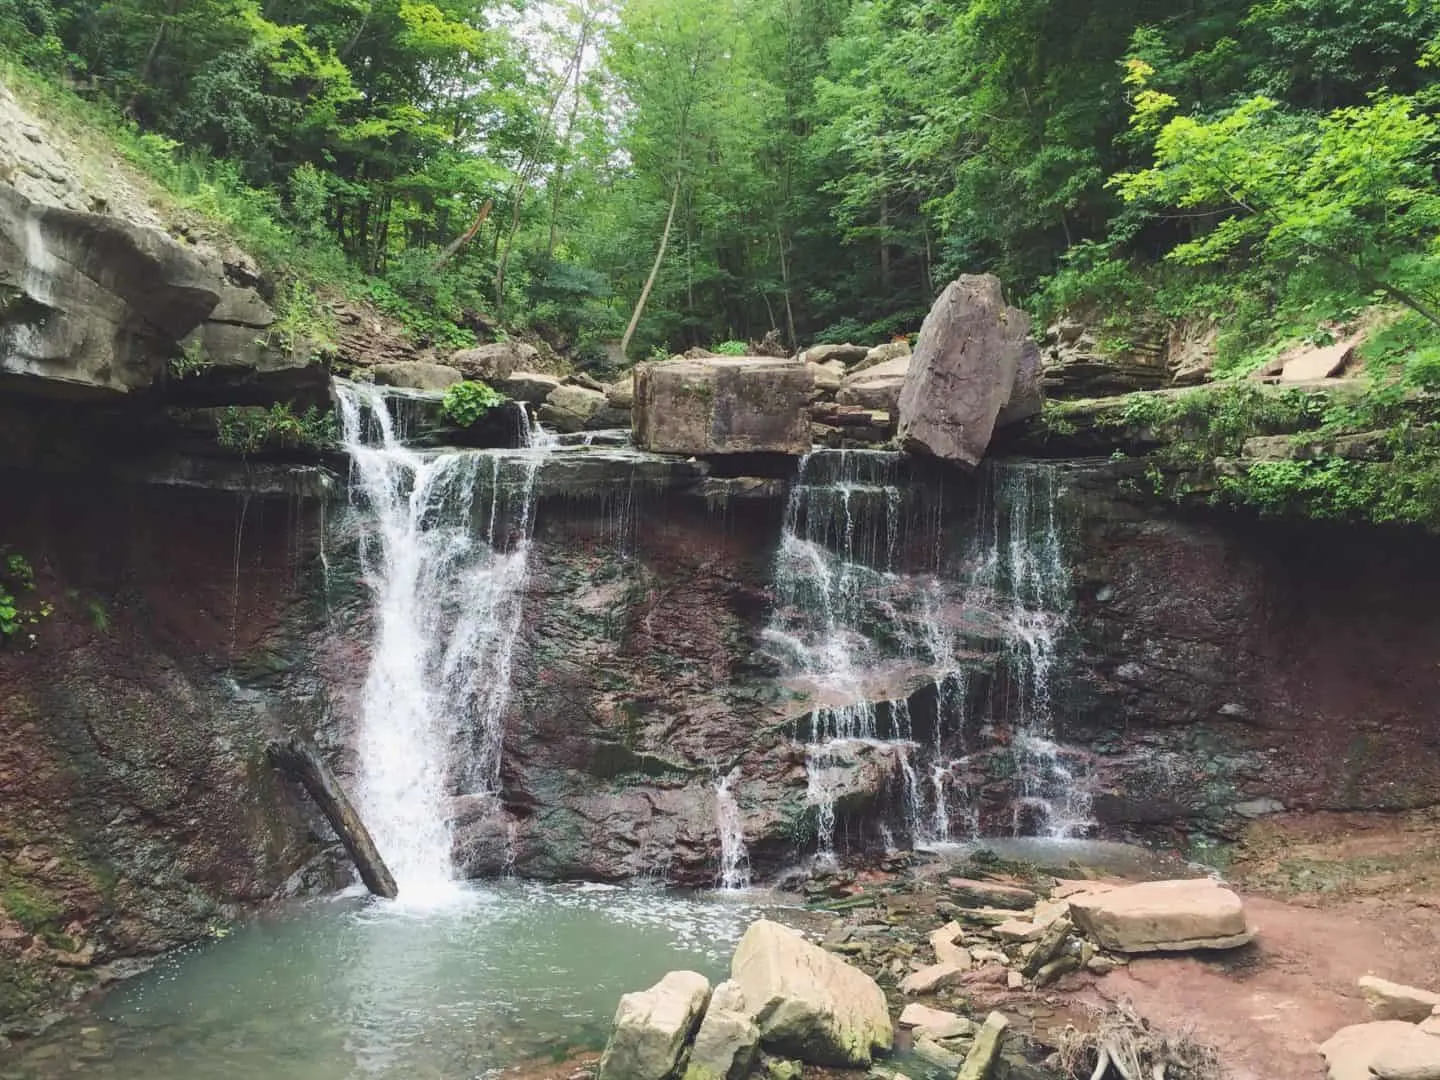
(444, 539)
(835, 582)
(734, 858)
(1022, 566)
(874, 606)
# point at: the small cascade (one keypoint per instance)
(444, 538)
(1022, 566)
(837, 590)
(734, 858)
(877, 608)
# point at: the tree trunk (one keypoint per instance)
(885, 244)
(785, 281)
(654, 270)
(463, 239)
(302, 763)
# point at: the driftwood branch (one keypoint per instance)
(297, 760)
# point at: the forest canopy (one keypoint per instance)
(815, 168)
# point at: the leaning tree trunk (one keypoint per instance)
(654, 270)
(301, 762)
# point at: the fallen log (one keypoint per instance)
(302, 763)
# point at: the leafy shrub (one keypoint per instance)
(18, 614)
(732, 348)
(467, 402)
(249, 431)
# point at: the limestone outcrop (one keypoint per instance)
(91, 303)
(809, 1004)
(718, 405)
(975, 366)
(652, 1028)
(1163, 916)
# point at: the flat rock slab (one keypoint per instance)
(1163, 916)
(971, 893)
(934, 977)
(717, 405)
(1395, 1001)
(1414, 1057)
(935, 1023)
(1350, 1052)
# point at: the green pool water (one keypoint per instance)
(354, 988)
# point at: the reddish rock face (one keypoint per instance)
(1229, 667)
(135, 804)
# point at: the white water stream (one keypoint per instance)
(444, 542)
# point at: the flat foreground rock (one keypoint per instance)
(1163, 916)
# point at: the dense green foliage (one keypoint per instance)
(20, 612)
(253, 429)
(816, 167)
(467, 402)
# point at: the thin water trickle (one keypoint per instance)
(444, 540)
(734, 857)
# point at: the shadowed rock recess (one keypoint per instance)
(869, 649)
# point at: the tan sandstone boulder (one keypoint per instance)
(808, 1003)
(491, 363)
(652, 1027)
(1163, 916)
(716, 405)
(876, 387)
(1351, 1051)
(975, 367)
(415, 375)
(1394, 1001)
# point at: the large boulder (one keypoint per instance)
(982, 1063)
(882, 354)
(92, 303)
(415, 375)
(1394, 1001)
(845, 354)
(491, 363)
(1163, 916)
(975, 366)
(1351, 1053)
(727, 1042)
(527, 386)
(808, 1003)
(722, 405)
(571, 408)
(876, 387)
(653, 1026)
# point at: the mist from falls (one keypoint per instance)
(444, 540)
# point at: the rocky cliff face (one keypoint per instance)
(1230, 667)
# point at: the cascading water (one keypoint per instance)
(836, 588)
(862, 631)
(734, 858)
(1023, 568)
(444, 539)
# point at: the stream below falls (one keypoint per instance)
(354, 988)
